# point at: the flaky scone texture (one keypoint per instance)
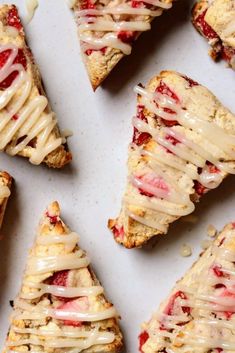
(195, 318)
(60, 156)
(51, 225)
(100, 63)
(215, 20)
(196, 100)
(5, 180)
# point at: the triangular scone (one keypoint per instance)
(28, 126)
(107, 30)
(61, 306)
(198, 316)
(215, 20)
(5, 185)
(183, 146)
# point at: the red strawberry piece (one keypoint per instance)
(118, 232)
(228, 314)
(199, 188)
(140, 113)
(191, 82)
(87, 5)
(15, 117)
(172, 139)
(219, 286)
(13, 18)
(139, 138)
(169, 310)
(53, 218)
(206, 29)
(20, 59)
(165, 90)
(137, 4)
(154, 181)
(169, 123)
(228, 53)
(143, 337)
(217, 271)
(126, 36)
(88, 52)
(219, 350)
(60, 278)
(77, 305)
(212, 168)
(233, 224)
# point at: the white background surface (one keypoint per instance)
(90, 189)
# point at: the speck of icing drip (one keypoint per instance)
(185, 250)
(211, 231)
(31, 6)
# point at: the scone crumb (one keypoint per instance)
(211, 231)
(205, 244)
(185, 250)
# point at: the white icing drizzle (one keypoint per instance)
(186, 158)
(199, 327)
(31, 6)
(91, 21)
(76, 339)
(32, 121)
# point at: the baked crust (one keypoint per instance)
(83, 277)
(99, 64)
(196, 288)
(5, 180)
(196, 99)
(61, 155)
(215, 21)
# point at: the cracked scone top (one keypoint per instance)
(5, 185)
(198, 316)
(107, 30)
(28, 126)
(183, 145)
(215, 20)
(61, 306)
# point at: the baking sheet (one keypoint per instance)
(90, 189)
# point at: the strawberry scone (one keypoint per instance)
(107, 30)
(61, 306)
(198, 316)
(183, 146)
(5, 185)
(28, 125)
(215, 20)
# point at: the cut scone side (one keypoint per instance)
(188, 311)
(126, 229)
(5, 181)
(55, 240)
(12, 34)
(215, 22)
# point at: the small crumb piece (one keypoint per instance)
(185, 250)
(205, 244)
(190, 219)
(211, 231)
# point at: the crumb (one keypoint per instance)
(205, 244)
(185, 250)
(11, 302)
(211, 231)
(189, 219)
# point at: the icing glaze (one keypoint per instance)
(24, 116)
(175, 156)
(93, 23)
(76, 308)
(200, 312)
